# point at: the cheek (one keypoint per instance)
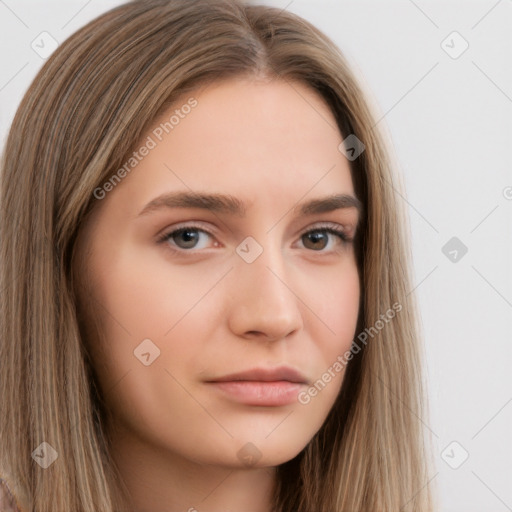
(148, 313)
(136, 302)
(334, 310)
(341, 301)
(333, 296)
(147, 296)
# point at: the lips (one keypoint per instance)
(281, 373)
(263, 387)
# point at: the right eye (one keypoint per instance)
(185, 238)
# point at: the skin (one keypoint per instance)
(177, 440)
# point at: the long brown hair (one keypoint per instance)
(90, 104)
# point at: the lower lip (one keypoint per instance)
(268, 394)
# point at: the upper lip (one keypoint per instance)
(265, 375)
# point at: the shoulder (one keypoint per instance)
(7, 501)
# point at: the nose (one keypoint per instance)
(263, 303)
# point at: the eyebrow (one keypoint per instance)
(227, 204)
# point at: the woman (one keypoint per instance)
(275, 368)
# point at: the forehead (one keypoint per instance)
(272, 142)
(256, 117)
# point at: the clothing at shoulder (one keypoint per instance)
(7, 500)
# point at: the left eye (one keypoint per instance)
(188, 238)
(319, 238)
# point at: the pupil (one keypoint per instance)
(189, 237)
(317, 237)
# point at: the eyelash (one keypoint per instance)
(326, 228)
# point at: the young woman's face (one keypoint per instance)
(247, 285)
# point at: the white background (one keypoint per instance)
(450, 121)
